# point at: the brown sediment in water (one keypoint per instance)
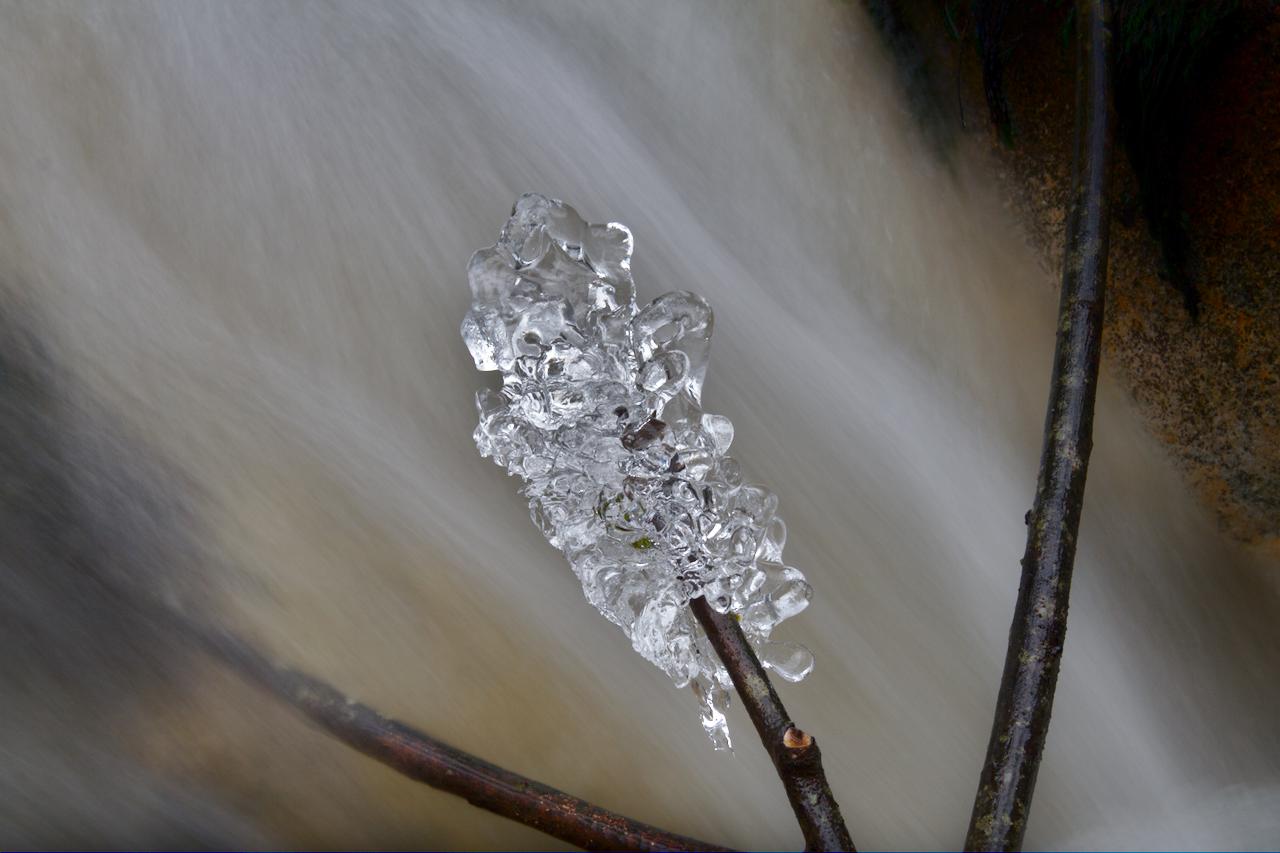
(1209, 384)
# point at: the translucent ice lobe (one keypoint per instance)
(790, 660)
(600, 414)
(677, 322)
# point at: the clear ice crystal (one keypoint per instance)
(600, 413)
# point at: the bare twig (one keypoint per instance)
(795, 754)
(439, 765)
(1040, 617)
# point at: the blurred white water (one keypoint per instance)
(241, 233)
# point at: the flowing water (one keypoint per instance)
(232, 252)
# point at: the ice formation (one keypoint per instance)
(599, 412)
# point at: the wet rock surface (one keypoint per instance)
(1192, 328)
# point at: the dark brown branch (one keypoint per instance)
(1040, 616)
(795, 754)
(439, 765)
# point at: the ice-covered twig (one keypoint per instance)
(425, 759)
(600, 414)
(795, 753)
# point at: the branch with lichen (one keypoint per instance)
(1039, 627)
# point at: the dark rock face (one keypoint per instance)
(1193, 314)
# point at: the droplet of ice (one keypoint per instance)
(791, 661)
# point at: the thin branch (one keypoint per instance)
(425, 759)
(795, 754)
(1040, 617)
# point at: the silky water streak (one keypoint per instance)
(600, 414)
